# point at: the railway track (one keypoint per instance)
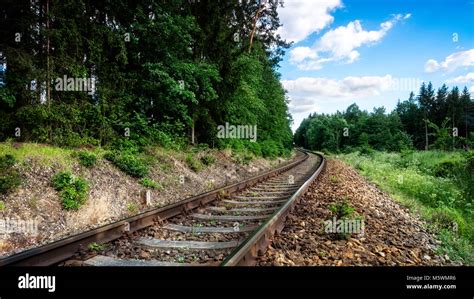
(228, 226)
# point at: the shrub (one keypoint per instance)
(62, 180)
(341, 210)
(149, 183)
(7, 161)
(208, 160)
(2, 206)
(194, 164)
(128, 163)
(269, 149)
(73, 191)
(86, 159)
(9, 177)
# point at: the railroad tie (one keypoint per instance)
(239, 210)
(107, 261)
(207, 229)
(254, 202)
(156, 243)
(260, 197)
(228, 217)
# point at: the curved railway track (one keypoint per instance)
(228, 226)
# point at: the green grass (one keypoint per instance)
(9, 176)
(436, 185)
(45, 154)
(133, 208)
(149, 183)
(72, 190)
(85, 158)
(193, 163)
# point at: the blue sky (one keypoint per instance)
(373, 52)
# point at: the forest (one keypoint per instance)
(126, 74)
(442, 119)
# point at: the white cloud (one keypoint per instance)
(452, 62)
(340, 44)
(431, 66)
(312, 87)
(463, 79)
(300, 18)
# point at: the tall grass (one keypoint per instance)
(436, 185)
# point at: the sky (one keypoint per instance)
(372, 52)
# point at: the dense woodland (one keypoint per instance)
(166, 72)
(441, 119)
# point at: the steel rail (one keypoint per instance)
(246, 254)
(58, 251)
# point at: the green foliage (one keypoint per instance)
(86, 159)
(193, 163)
(72, 190)
(2, 205)
(133, 208)
(208, 160)
(342, 209)
(149, 183)
(128, 163)
(96, 247)
(9, 176)
(436, 184)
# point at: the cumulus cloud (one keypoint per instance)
(340, 44)
(300, 18)
(452, 62)
(469, 77)
(331, 88)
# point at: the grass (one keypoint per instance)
(9, 176)
(149, 183)
(435, 185)
(133, 208)
(193, 163)
(96, 247)
(72, 190)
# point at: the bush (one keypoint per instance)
(128, 163)
(86, 159)
(9, 177)
(208, 160)
(194, 164)
(269, 149)
(73, 191)
(7, 161)
(149, 183)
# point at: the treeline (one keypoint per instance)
(166, 72)
(439, 119)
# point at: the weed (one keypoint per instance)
(9, 177)
(208, 160)
(132, 208)
(128, 163)
(96, 247)
(194, 164)
(73, 190)
(86, 159)
(149, 183)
